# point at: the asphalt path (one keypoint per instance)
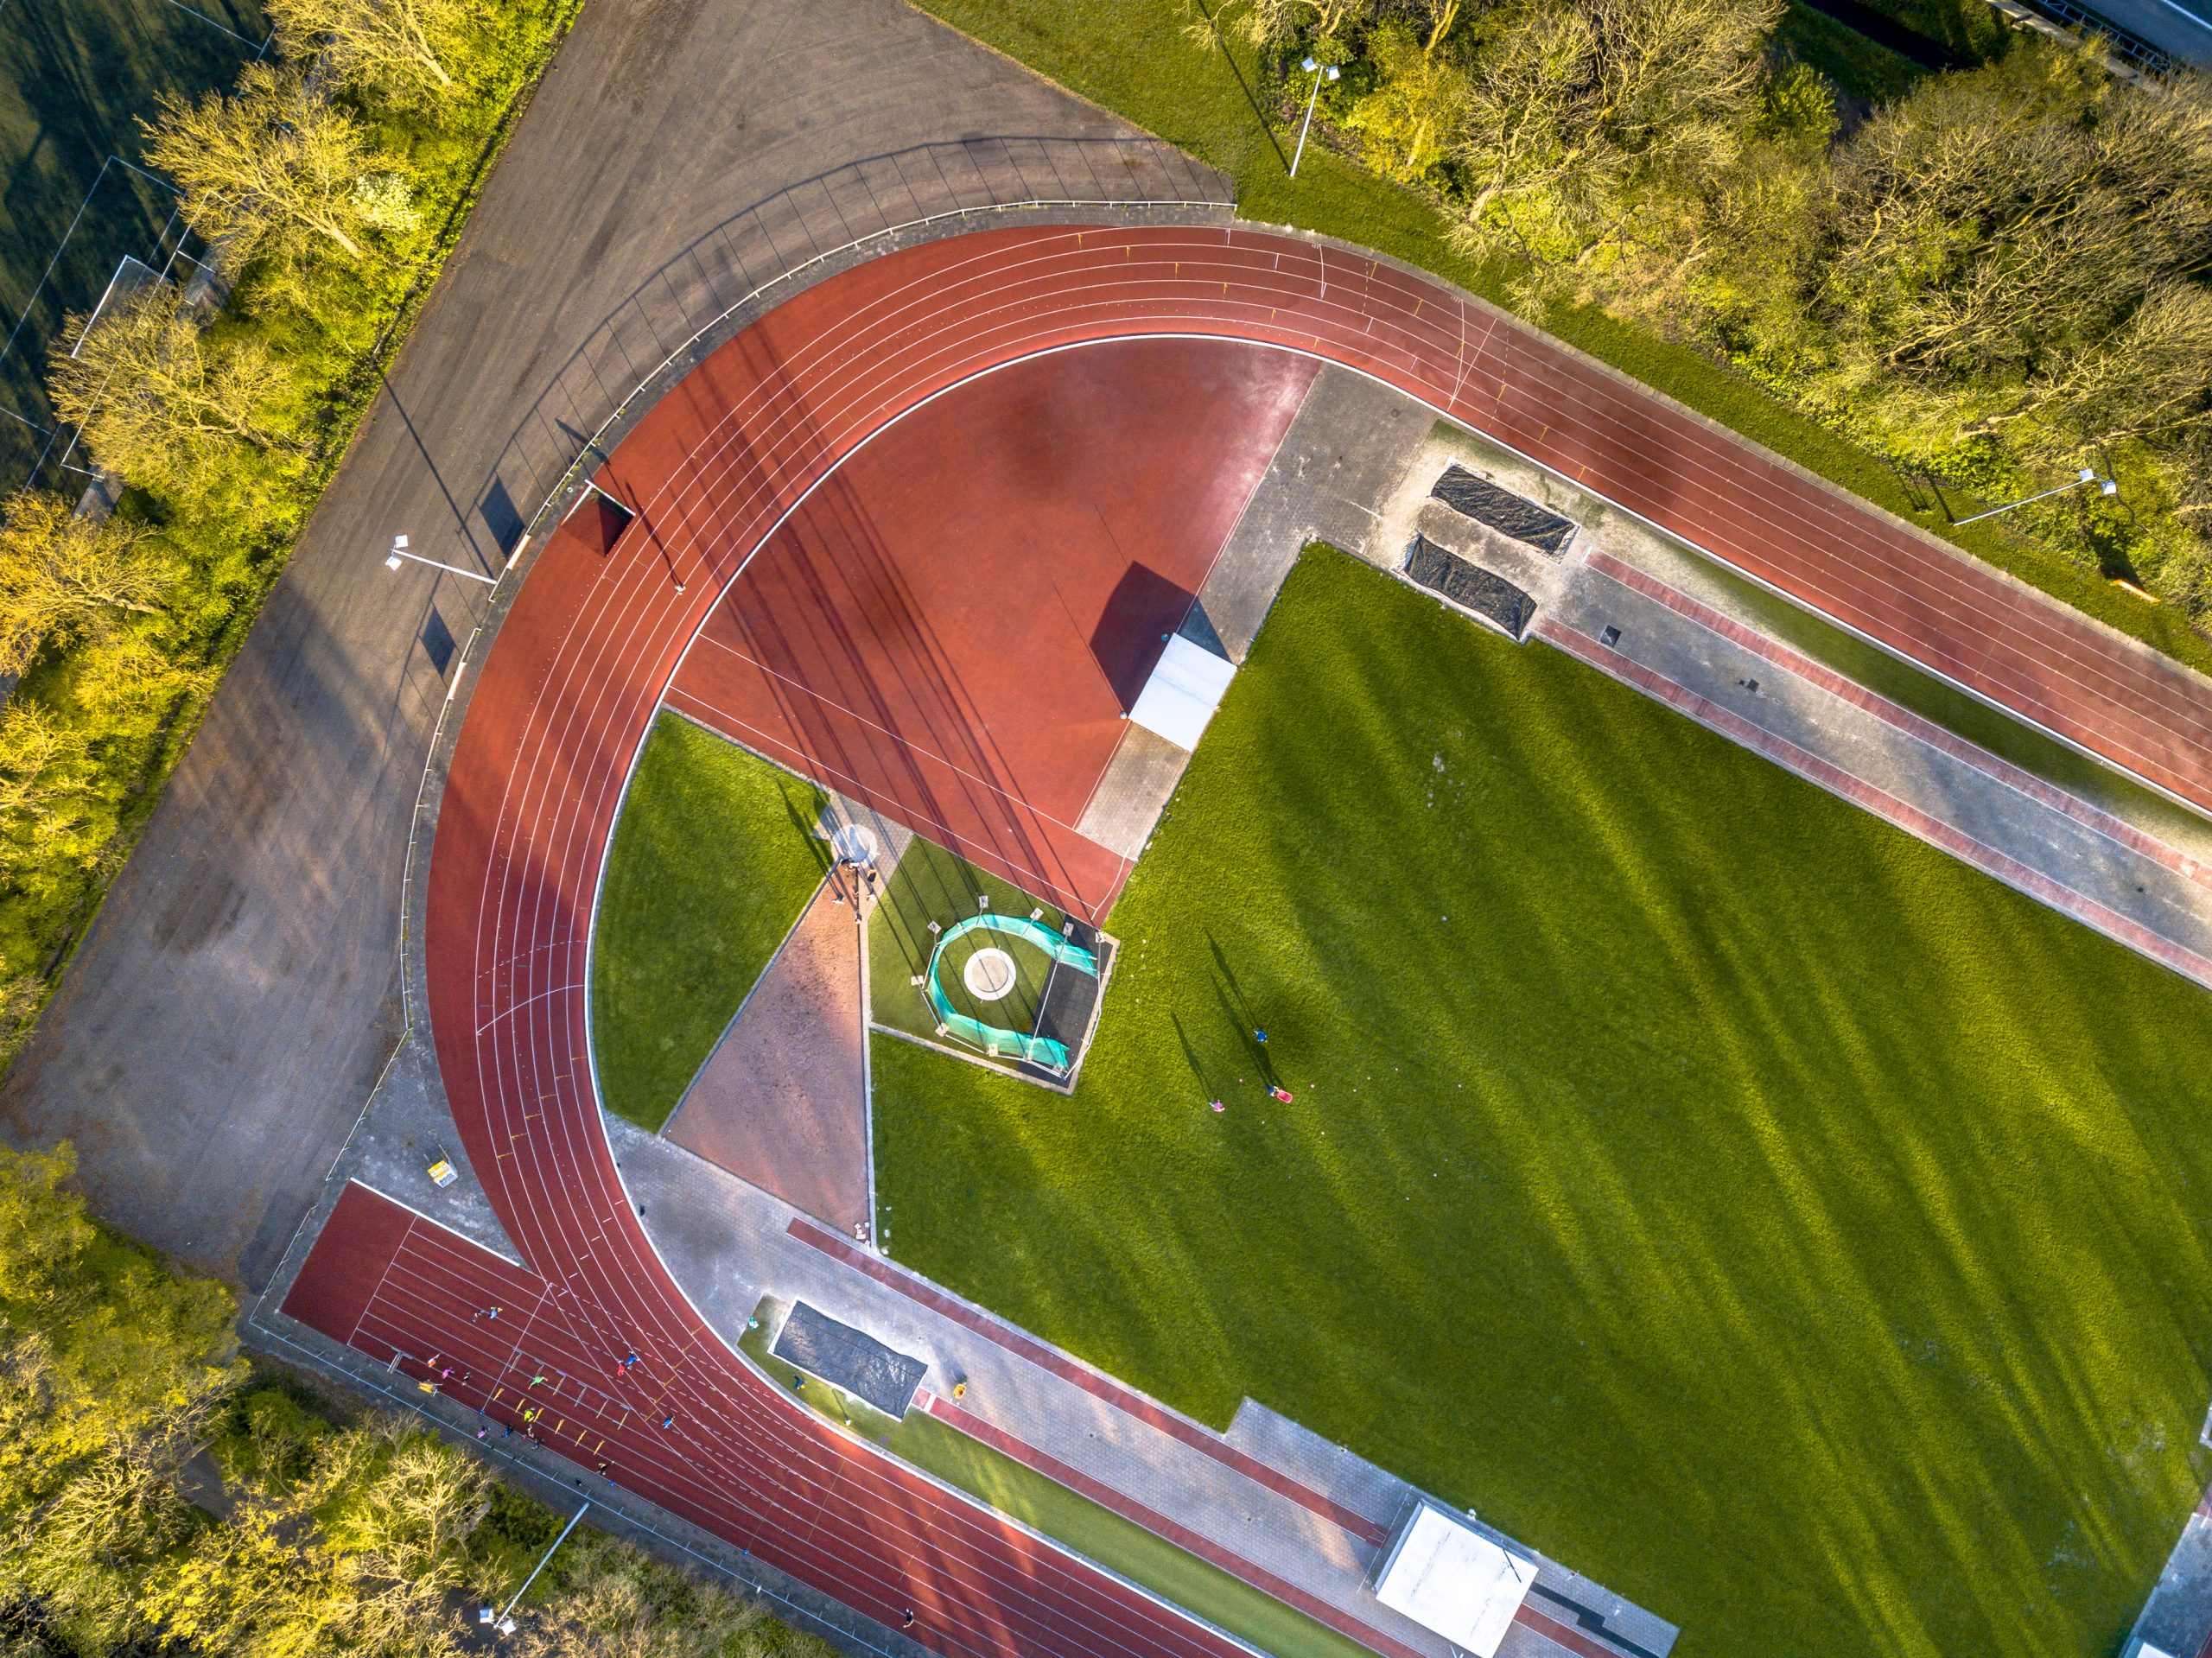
(224, 1021)
(2182, 28)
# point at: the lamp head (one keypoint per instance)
(2110, 488)
(392, 563)
(1334, 74)
(1309, 65)
(2086, 473)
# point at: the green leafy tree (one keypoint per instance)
(1417, 115)
(612, 1604)
(125, 680)
(158, 401)
(353, 1540)
(1594, 128)
(48, 781)
(1270, 22)
(110, 1369)
(1994, 225)
(22, 995)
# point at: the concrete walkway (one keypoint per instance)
(1296, 1518)
(2177, 1621)
(1649, 611)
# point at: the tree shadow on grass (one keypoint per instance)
(1213, 29)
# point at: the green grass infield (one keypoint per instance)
(1727, 1194)
(715, 857)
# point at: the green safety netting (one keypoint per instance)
(994, 1039)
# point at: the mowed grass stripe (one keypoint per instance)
(1757, 1209)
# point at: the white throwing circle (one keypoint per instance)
(988, 975)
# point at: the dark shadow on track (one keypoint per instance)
(700, 288)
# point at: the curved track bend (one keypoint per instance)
(580, 666)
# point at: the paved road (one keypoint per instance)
(2182, 28)
(224, 1021)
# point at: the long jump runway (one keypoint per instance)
(592, 646)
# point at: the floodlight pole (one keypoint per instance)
(2088, 475)
(399, 551)
(500, 1622)
(1319, 71)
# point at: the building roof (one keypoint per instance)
(1185, 687)
(1447, 1577)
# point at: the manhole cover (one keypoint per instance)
(988, 975)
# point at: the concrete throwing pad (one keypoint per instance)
(849, 1359)
(989, 975)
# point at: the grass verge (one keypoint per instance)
(1809, 1224)
(1120, 1545)
(715, 857)
(1132, 56)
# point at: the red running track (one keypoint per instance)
(585, 655)
(952, 628)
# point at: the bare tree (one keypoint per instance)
(1592, 123)
(1994, 223)
(404, 49)
(62, 575)
(153, 396)
(2148, 378)
(276, 159)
